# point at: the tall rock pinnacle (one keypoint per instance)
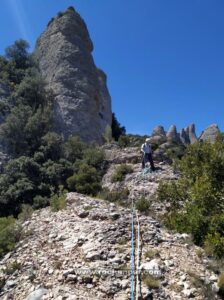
(82, 103)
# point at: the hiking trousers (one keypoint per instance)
(147, 157)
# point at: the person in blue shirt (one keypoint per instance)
(147, 154)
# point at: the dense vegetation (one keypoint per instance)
(196, 198)
(42, 163)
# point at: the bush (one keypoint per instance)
(73, 149)
(196, 198)
(124, 141)
(143, 205)
(12, 267)
(86, 181)
(94, 157)
(10, 234)
(221, 284)
(151, 254)
(58, 202)
(114, 196)
(120, 172)
(151, 282)
(26, 212)
(117, 129)
(40, 202)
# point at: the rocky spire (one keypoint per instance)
(82, 102)
(158, 130)
(210, 133)
(184, 137)
(172, 134)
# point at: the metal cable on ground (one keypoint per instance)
(132, 255)
(138, 256)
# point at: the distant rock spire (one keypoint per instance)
(172, 134)
(158, 130)
(210, 133)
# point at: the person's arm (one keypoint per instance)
(142, 148)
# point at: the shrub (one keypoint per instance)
(26, 212)
(120, 172)
(60, 14)
(40, 202)
(124, 141)
(73, 149)
(221, 284)
(143, 205)
(86, 181)
(10, 234)
(71, 8)
(151, 254)
(115, 196)
(196, 198)
(117, 129)
(151, 282)
(108, 134)
(51, 21)
(12, 267)
(2, 283)
(94, 157)
(58, 202)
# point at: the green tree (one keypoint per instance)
(196, 198)
(18, 53)
(86, 181)
(117, 129)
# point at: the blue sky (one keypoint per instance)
(164, 58)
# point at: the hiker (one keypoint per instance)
(147, 154)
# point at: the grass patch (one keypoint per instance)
(151, 282)
(151, 254)
(143, 205)
(58, 202)
(120, 197)
(10, 234)
(26, 212)
(12, 267)
(200, 253)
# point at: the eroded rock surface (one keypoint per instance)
(210, 133)
(82, 102)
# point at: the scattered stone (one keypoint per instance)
(37, 294)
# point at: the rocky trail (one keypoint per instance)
(84, 251)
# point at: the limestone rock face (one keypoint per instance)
(210, 133)
(82, 102)
(172, 134)
(158, 130)
(191, 133)
(188, 135)
(184, 137)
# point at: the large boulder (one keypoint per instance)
(210, 133)
(82, 103)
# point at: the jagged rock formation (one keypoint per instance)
(184, 137)
(210, 133)
(158, 130)
(190, 130)
(172, 134)
(82, 101)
